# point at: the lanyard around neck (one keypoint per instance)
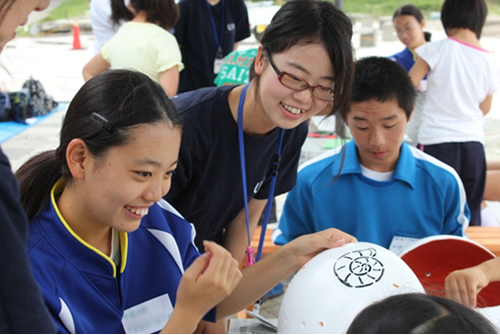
(218, 40)
(274, 172)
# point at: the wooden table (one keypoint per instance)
(488, 237)
(269, 246)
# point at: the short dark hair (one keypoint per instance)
(302, 22)
(417, 313)
(466, 14)
(382, 79)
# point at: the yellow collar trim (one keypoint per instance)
(57, 190)
(414, 54)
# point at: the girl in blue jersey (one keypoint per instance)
(109, 254)
(409, 24)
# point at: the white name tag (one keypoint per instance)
(217, 65)
(148, 317)
(399, 243)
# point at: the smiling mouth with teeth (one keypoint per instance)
(138, 211)
(292, 110)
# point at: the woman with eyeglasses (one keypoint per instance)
(409, 24)
(234, 134)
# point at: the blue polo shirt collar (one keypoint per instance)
(405, 168)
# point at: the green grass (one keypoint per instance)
(69, 9)
(72, 9)
(387, 7)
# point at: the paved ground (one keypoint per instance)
(51, 60)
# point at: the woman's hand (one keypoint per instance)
(210, 279)
(308, 246)
(464, 285)
(270, 270)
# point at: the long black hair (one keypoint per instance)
(102, 114)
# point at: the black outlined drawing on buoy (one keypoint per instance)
(359, 268)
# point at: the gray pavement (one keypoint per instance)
(51, 60)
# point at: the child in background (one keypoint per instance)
(109, 254)
(207, 31)
(106, 17)
(459, 93)
(144, 44)
(409, 24)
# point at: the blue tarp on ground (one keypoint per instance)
(12, 128)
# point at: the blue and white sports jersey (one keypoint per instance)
(405, 58)
(84, 290)
(424, 197)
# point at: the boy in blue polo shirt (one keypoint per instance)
(376, 187)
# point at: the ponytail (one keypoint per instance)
(36, 178)
(427, 36)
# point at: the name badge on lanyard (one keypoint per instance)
(218, 39)
(274, 173)
(219, 60)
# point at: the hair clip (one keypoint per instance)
(108, 126)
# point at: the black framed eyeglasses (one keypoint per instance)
(297, 84)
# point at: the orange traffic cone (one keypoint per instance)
(76, 36)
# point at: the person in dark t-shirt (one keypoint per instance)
(207, 31)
